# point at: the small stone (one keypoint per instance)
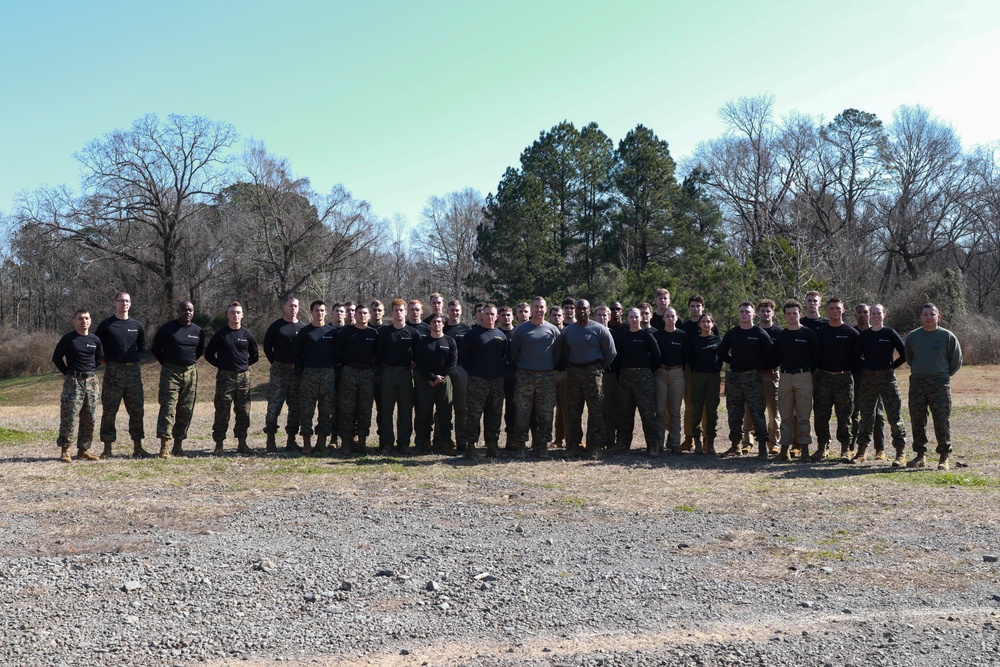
(546, 650)
(989, 558)
(807, 604)
(385, 573)
(549, 542)
(826, 570)
(433, 586)
(132, 586)
(485, 576)
(310, 598)
(444, 606)
(683, 545)
(404, 651)
(346, 586)
(848, 611)
(518, 528)
(131, 620)
(484, 586)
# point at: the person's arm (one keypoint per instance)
(140, 340)
(269, 337)
(609, 349)
(954, 355)
(724, 347)
(212, 351)
(908, 346)
(254, 352)
(452, 361)
(99, 354)
(59, 356)
(897, 344)
(655, 357)
(157, 348)
(200, 350)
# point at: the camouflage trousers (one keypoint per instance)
(178, 391)
(705, 404)
(485, 402)
(77, 410)
(585, 386)
(745, 390)
(932, 394)
(879, 387)
(833, 391)
(610, 407)
(232, 394)
(636, 389)
(536, 393)
(769, 385)
(354, 405)
(122, 381)
(459, 394)
(282, 387)
(317, 392)
(509, 402)
(397, 392)
(434, 408)
(878, 433)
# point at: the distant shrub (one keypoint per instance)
(980, 338)
(27, 354)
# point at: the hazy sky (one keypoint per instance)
(400, 101)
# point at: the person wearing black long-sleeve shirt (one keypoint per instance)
(124, 341)
(706, 381)
(436, 358)
(747, 348)
(457, 329)
(768, 381)
(317, 390)
(232, 350)
(696, 307)
(177, 345)
(483, 354)
(875, 350)
(355, 350)
(77, 355)
(283, 381)
(798, 355)
(671, 386)
(637, 355)
(396, 342)
(834, 382)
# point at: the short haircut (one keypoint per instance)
(834, 299)
(336, 306)
(234, 303)
(289, 299)
(436, 295)
(602, 308)
(930, 305)
(766, 303)
(436, 316)
(746, 304)
(317, 302)
(376, 302)
(645, 305)
(569, 301)
(416, 302)
(662, 291)
(479, 306)
(812, 292)
(553, 309)
(697, 298)
(791, 303)
(504, 309)
(121, 293)
(523, 304)
(80, 311)
(455, 302)
(488, 305)
(360, 308)
(539, 298)
(861, 306)
(350, 304)
(398, 302)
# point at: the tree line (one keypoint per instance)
(891, 210)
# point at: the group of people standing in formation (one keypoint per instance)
(519, 371)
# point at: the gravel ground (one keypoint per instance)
(476, 566)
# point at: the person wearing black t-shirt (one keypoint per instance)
(862, 317)
(283, 381)
(798, 355)
(483, 353)
(812, 319)
(124, 341)
(355, 350)
(76, 356)
(747, 348)
(178, 345)
(232, 350)
(396, 344)
(876, 347)
(637, 355)
(674, 347)
(436, 357)
(834, 382)
(456, 328)
(705, 366)
(696, 307)
(769, 381)
(318, 386)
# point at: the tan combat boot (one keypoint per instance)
(819, 455)
(106, 452)
(861, 456)
(919, 462)
(783, 455)
(164, 449)
(735, 451)
(64, 455)
(85, 455)
(943, 463)
(900, 460)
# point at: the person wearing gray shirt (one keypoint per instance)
(588, 350)
(534, 350)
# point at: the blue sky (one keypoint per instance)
(400, 101)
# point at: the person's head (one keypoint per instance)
(556, 316)
(454, 311)
(634, 319)
(765, 310)
(376, 311)
(793, 311)
(185, 312)
(930, 315)
(338, 315)
(877, 315)
(505, 317)
(746, 314)
(669, 319)
(123, 302)
(351, 308)
(398, 312)
(488, 316)
(81, 321)
(234, 313)
(414, 310)
(705, 323)
(568, 305)
(436, 302)
(318, 311)
(862, 314)
(696, 306)
(812, 303)
(362, 316)
(835, 310)
(645, 314)
(581, 311)
(616, 312)
(538, 309)
(290, 308)
(479, 311)
(661, 299)
(602, 314)
(522, 312)
(436, 323)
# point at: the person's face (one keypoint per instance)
(362, 317)
(670, 319)
(122, 305)
(581, 311)
(662, 301)
(695, 309)
(437, 304)
(616, 310)
(319, 315)
(792, 316)
(523, 313)
(339, 315)
(634, 319)
(835, 311)
(81, 322)
(602, 315)
(706, 324)
(437, 326)
(862, 315)
(812, 304)
(415, 310)
(877, 316)
(377, 312)
(556, 316)
(235, 316)
(746, 315)
(538, 308)
(506, 318)
(455, 313)
(568, 312)
(929, 318)
(291, 309)
(645, 316)
(766, 313)
(185, 313)
(351, 312)
(399, 313)
(488, 318)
